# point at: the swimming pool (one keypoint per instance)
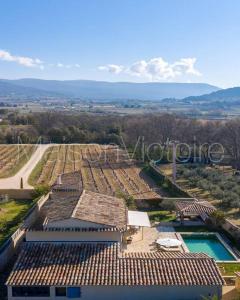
(209, 244)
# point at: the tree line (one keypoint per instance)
(58, 127)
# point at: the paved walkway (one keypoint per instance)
(230, 293)
(14, 181)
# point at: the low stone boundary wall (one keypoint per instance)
(10, 247)
(175, 187)
(232, 229)
(18, 193)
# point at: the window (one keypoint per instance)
(60, 291)
(73, 292)
(31, 291)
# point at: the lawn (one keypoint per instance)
(228, 269)
(11, 216)
(161, 216)
(191, 229)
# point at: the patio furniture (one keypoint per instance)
(173, 249)
(129, 240)
(169, 242)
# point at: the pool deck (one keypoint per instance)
(230, 293)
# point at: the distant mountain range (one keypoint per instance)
(101, 90)
(225, 95)
(9, 89)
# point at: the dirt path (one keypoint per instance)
(14, 181)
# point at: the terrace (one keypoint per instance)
(146, 241)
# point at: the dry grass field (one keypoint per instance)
(105, 169)
(13, 158)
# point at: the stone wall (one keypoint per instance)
(175, 188)
(17, 194)
(232, 229)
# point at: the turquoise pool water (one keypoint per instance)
(208, 244)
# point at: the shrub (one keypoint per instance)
(203, 184)
(217, 218)
(217, 192)
(41, 190)
(130, 202)
(167, 205)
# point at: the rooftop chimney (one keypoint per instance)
(59, 179)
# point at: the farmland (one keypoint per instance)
(13, 157)
(104, 169)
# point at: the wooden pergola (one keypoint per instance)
(193, 208)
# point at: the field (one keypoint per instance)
(13, 157)
(104, 169)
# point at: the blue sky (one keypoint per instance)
(127, 40)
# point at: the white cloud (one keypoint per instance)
(116, 69)
(60, 65)
(156, 69)
(21, 60)
(187, 65)
(32, 62)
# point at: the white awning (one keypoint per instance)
(138, 218)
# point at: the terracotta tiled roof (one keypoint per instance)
(101, 209)
(161, 255)
(194, 207)
(100, 264)
(75, 229)
(60, 205)
(69, 200)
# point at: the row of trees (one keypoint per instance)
(154, 128)
(223, 187)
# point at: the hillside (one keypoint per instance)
(8, 89)
(225, 95)
(100, 90)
